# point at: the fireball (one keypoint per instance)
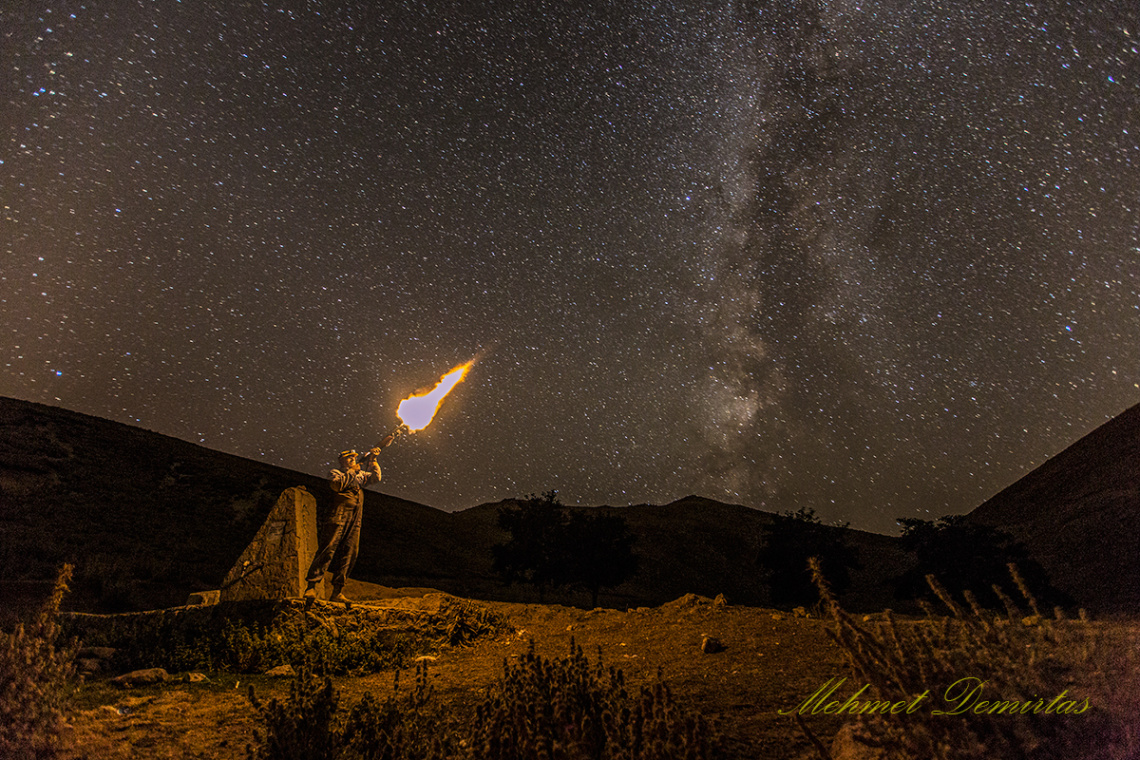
(416, 412)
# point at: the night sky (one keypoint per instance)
(879, 259)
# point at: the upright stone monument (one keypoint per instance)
(274, 564)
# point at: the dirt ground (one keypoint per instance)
(770, 661)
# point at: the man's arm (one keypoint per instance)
(337, 480)
(371, 466)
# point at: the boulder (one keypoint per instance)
(281, 671)
(274, 564)
(141, 677)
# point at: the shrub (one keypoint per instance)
(35, 682)
(252, 637)
(304, 726)
(570, 708)
(1052, 688)
(540, 708)
(301, 726)
(239, 646)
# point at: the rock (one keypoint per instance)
(720, 601)
(141, 677)
(846, 745)
(99, 653)
(777, 616)
(204, 597)
(197, 678)
(710, 645)
(800, 612)
(275, 563)
(282, 671)
(1031, 621)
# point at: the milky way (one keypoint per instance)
(875, 259)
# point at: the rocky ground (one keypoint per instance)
(769, 661)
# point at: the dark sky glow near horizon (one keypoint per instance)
(879, 259)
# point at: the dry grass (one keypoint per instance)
(1012, 685)
(565, 707)
(35, 683)
(771, 660)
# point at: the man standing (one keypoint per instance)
(339, 551)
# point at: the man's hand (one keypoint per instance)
(388, 439)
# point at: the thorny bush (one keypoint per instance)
(35, 682)
(539, 708)
(1053, 688)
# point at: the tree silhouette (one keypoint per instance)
(534, 552)
(964, 555)
(786, 546)
(600, 551)
(552, 547)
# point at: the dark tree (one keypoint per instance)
(964, 555)
(787, 545)
(551, 547)
(600, 551)
(534, 553)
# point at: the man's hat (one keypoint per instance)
(347, 452)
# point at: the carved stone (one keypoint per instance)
(274, 564)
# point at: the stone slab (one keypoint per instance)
(274, 564)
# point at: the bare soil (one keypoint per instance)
(771, 661)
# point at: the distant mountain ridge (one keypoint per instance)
(150, 518)
(1079, 514)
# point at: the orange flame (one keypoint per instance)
(417, 412)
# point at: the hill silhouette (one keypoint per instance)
(147, 519)
(693, 545)
(1078, 513)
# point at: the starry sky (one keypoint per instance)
(879, 259)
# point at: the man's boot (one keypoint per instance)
(340, 598)
(310, 595)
